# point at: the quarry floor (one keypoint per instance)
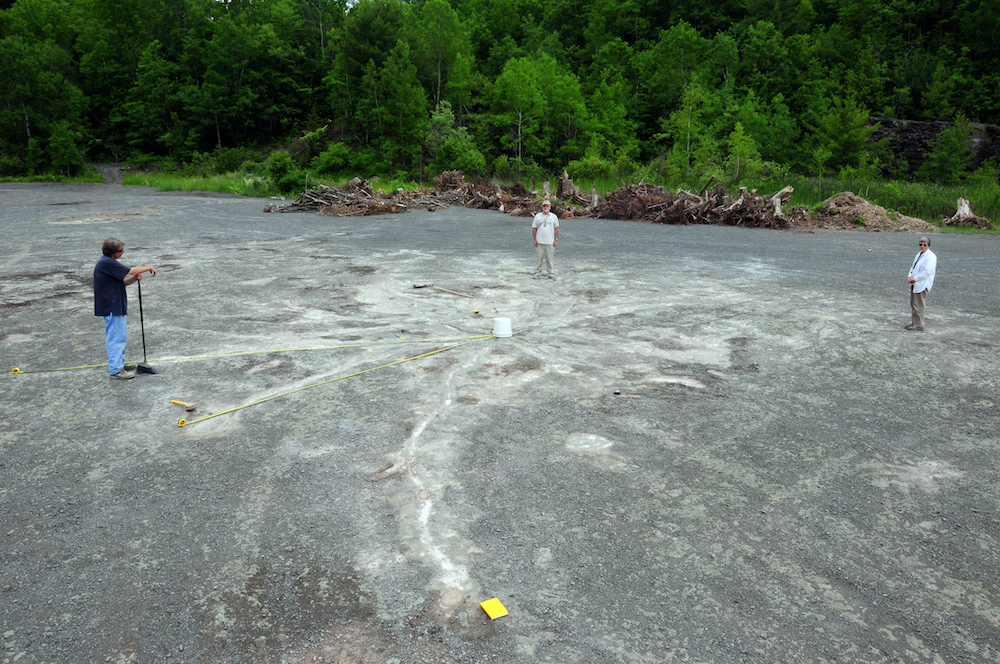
(700, 444)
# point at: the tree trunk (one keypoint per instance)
(27, 124)
(780, 196)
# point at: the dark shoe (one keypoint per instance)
(552, 277)
(131, 367)
(914, 328)
(124, 374)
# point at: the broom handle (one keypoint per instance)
(142, 324)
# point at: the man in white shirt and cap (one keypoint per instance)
(545, 233)
(921, 279)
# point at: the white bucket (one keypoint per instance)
(501, 327)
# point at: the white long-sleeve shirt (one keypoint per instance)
(923, 270)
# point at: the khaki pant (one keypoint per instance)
(545, 252)
(917, 307)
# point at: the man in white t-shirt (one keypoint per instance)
(545, 233)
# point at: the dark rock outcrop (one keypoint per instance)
(911, 139)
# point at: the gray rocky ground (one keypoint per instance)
(700, 444)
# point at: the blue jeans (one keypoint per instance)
(116, 336)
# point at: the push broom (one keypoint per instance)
(143, 367)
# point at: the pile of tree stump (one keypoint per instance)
(965, 217)
(636, 202)
(646, 202)
(355, 199)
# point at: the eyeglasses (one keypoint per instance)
(924, 244)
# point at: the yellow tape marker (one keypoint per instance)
(334, 380)
(494, 608)
(181, 423)
(17, 370)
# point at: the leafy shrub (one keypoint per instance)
(278, 166)
(368, 162)
(294, 181)
(284, 173)
(230, 160)
(625, 168)
(10, 166)
(333, 160)
(591, 167)
(458, 153)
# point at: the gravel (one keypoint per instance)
(700, 444)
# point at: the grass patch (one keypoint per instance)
(253, 186)
(88, 176)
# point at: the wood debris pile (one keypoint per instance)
(452, 185)
(645, 202)
(356, 199)
(847, 211)
(637, 202)
(450, 181)
(567, 191)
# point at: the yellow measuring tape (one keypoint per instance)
(18, 370)
(182, 423)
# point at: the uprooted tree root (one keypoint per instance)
(645, 202)
(637, 202)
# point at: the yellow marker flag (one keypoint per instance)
(493, 608)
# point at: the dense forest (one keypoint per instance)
(492, 87)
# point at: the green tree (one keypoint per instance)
(323, 16)
(743, 155)
(368, 114)
(692, 147)
(612, 128)
(37, 95)
(404, 108)
(368, 33)
(450, 145)
(539, 111)
(942, 90)
(949, 158)
(464, 79)
(64, 150)
(517, 106)
(565, 120)
(149, 112)
(766, 64)
(442, 40)
(679, 55)
(841, 132)
(770, 124)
